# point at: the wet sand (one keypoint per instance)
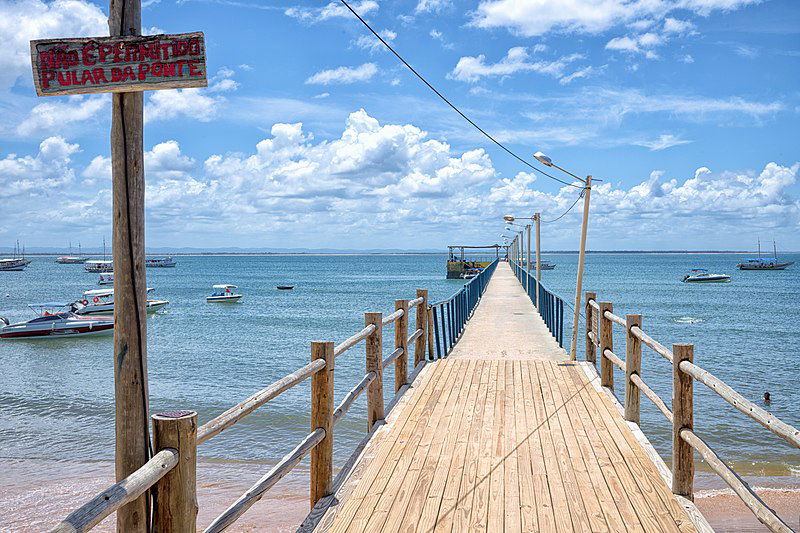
(39, 493)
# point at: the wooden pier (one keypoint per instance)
(505, 434)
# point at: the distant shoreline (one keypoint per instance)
(393, 253)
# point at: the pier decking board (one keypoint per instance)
(506, 435)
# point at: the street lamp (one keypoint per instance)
(545, 160)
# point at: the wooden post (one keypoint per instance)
(591, 352)
(322, 417)
(606, 343)
(633, 365)
(401, 341)
(579, 281)
(375, 364)
(431, 335)
(175, 501)
(130, 331)
(421, 323)
(682, 417)
(538, 218)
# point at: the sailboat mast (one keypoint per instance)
(774, 249)
(759, 247)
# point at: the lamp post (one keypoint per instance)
(582, 253)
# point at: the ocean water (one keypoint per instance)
(57, 402)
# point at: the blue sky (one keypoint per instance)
(312, 135)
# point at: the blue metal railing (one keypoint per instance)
(450, 316)
(551, 306)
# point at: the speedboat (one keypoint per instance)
(701, 275)
(285, 287)
(162, 262)
(101, 302)
(224, 294)
(546, 266)
(56, 320)
(99, 265)
(108, 279)
(764, 263)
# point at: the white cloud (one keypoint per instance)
(165, 162)
(439, 36)
(688, 59)
(472, 69)
(40, 175)
(746, 51)
(331, 10)
(61, 114)
(432, 6)
(197, 104)
(640, 44)
(580, 73)
(664, 141)
(531, 18)
(672, 25)
(370, 43)
(24, 20)
(321, 95)
(345, 75)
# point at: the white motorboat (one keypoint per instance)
(56, 320)
(160, 262)
(764, 263)
(701, 275)
(471, 273)
(107, 279)
(101, 302)
(99, 265)
(223, 294)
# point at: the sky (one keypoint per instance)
(311, 135)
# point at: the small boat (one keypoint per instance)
(107, 279)
(545, 266)
(470, 273)
(72, 259)
(160, 262)
(56, 320)
(16, 263)
(99, 265)
(101, 302)
(285, 287)
(764, 263)
(224, 294)
(701, 275)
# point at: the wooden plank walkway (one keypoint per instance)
(505, 435)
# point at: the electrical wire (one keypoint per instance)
(568, 210)
(457, 110)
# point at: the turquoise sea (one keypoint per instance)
(57, 403)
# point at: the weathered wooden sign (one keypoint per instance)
(118, 64)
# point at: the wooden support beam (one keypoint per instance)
(401, 342)
(591, 352)
(374, 350)
(322, 418)
(606, 343)
(421, 323)
(633, 366)
(682, 418)
(175, 500)
(130, 330)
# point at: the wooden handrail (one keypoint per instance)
(352, 341)
(414, 336)
(656, 346)
(764, 514)
(655, 398)
(94, 511)
(242, 409)
(392, 356)
(352, 395)
(415, 302)
(774, 424)
(388, 319)
(614, 318)
(594, 304)
(593, 337)
(611, 356)
(254, 493)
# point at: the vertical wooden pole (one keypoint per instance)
(431, 334)
(538, 218)
(322, 417)
(682, 417)
(375, 364)
(581, 257)
(606, 343)
(633, 365)
(175, 501)
(401, 341)
(130, 331)
(591, 352)
(421, 323)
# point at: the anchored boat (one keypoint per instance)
(108, 279)
(99, 265)
(223, 294)
(701, 275)
(56, 320)
(160, 262)
(101, 302)
(764, 263)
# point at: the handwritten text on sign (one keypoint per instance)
(118, 64)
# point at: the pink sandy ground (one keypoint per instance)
(36, 495)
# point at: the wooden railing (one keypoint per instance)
(550, 305)
(449, 317)
(600, 320)
(171, 473)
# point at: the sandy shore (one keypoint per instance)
(40, 493)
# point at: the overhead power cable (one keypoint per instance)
(568, 210)
(448, 102)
